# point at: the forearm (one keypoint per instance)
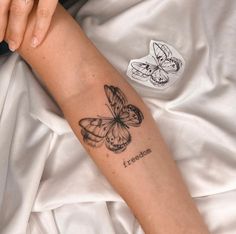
(136, 162)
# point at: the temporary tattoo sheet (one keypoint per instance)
(161, 68)
(113, 130)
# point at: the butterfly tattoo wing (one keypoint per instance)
(172, 65)
(130, 115)
(118, 137)
(159, 78)
(162, 53)
(94, 130)
(116, 99)
(143, 71)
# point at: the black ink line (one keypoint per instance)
(134, 159)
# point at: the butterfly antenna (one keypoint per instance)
(110, 110)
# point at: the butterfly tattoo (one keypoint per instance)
(159, 73)
(114, 130)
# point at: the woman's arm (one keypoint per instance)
(115, 126)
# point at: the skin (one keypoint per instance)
(75, 73)
(14, 17)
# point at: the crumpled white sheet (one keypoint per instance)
(47, 182)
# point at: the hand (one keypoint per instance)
(14, 16)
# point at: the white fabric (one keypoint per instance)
(47, 182)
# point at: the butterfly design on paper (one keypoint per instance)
(159, 73)
(114, 130)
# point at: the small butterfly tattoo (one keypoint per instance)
(114, 131)
(157, 74)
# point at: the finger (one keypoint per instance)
(45, 12)
(19, 11)
(4, 6)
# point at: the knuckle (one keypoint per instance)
(21, 7)
(44, 13)
(17, 9)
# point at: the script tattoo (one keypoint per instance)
(137, 157)
(114, 131)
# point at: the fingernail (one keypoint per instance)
(34, 42)
(12, 45)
